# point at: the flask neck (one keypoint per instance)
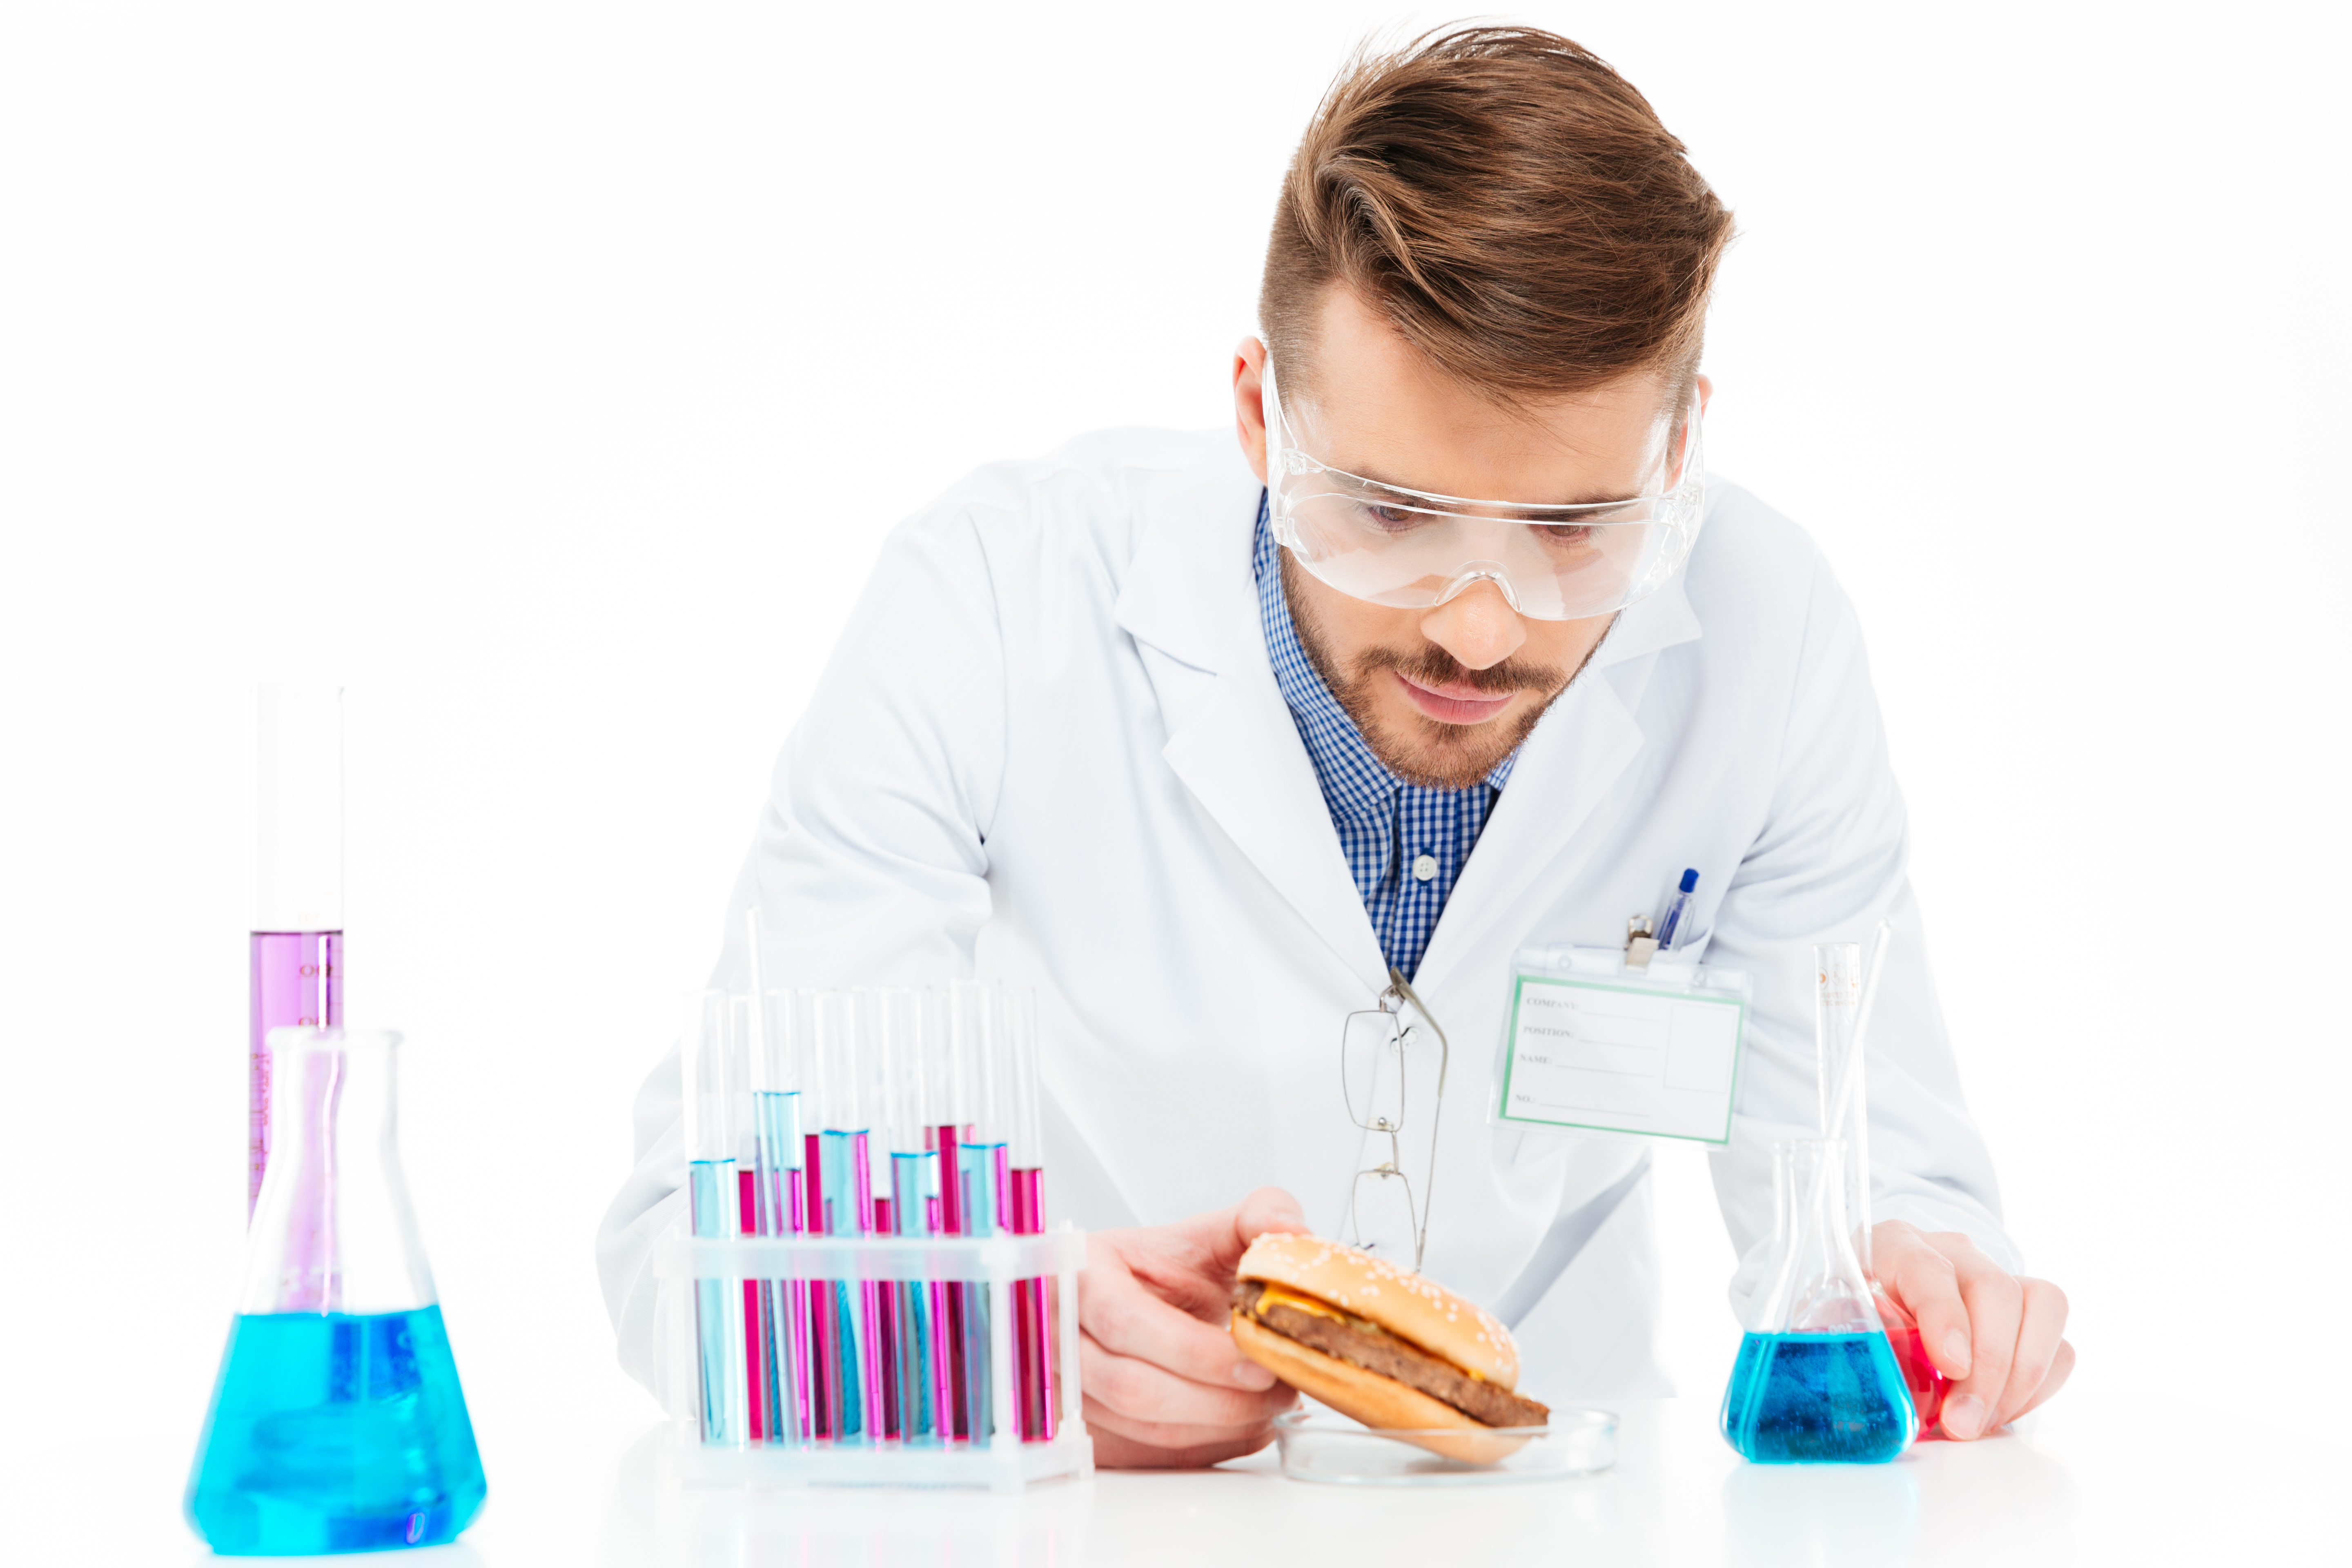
(1815, 1284)
(331, 1230)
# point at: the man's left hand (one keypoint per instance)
(2000, 1339)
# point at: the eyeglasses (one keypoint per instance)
(1391, 1061)
(1414, 550)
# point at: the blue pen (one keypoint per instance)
(1671, 922)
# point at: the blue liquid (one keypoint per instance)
(1812, 1399)
(713, 1199)
(335, 1433)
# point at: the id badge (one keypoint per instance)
(1591, 1046)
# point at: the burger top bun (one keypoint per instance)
(1381, 1293)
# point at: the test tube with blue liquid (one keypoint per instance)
(714, 1205)
(909, 1016)
(841, 1202)
(979, 1176)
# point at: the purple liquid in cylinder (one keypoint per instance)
(297, 979)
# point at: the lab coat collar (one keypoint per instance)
(1188, 592)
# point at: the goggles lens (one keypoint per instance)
(1411, 550)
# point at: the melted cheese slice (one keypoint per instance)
(1275, 1295)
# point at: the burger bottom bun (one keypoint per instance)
(1376, 1401)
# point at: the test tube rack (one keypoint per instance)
(1001, 1462)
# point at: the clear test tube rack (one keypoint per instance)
(1002, 1463)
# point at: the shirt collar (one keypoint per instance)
(1356, 784)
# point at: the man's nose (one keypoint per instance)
(1476, 625)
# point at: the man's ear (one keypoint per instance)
(1249, 402)
(1705, 395)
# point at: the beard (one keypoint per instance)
(1424, 751)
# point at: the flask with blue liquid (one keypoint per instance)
(1816, 1381)
(337, 1424)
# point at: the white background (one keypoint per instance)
(551, 376)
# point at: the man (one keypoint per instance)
(1202, 747)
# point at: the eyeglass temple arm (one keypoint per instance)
(1400, 987)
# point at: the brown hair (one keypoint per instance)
(1509, 203)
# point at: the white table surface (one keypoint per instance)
(2093, 1483)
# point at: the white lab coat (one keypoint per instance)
(1050, 742)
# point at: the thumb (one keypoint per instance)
(1267, 1209)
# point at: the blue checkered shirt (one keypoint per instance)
(1390, 831)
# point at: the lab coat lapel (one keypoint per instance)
(1189, 594)
(1240, 754)
(1565, 769)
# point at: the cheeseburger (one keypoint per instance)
(1384, 1346)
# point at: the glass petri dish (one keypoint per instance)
(1318, 1446)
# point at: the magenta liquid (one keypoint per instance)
(1032, 1311)
(297, 979)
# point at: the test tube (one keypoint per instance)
(1837, 998)
(983, 1176)
(780, 1374)
(951, 1055)
(841, 1202)
(1032, 1303)
(909, 1017)
(823, 1062)
(295, 962)
(878, 1299)
(713, 1204)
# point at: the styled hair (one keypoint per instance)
(1509, 204)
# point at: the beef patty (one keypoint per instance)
(1375, 1350)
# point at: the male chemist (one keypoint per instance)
(1455, 652)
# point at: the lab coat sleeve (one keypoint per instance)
(1829, 861)
(870, 862)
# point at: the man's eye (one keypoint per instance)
(1564, 535)
(1394, 519)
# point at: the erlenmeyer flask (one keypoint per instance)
(337, 1424)
(1816, 1381)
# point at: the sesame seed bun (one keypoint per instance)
(1406, 1305)
(1376, 1401)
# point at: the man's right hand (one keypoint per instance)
(1164, 1385)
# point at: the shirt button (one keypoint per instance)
(1424, 867)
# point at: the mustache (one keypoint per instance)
(1432, 665)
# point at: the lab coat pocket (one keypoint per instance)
(1687, 954)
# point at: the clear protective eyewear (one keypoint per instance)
(1392, 1073)
(1413, 550)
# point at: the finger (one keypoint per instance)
(1117, 1451)
(1143, 1390)
(1171, 1434)
(2039, 1334)
(1996, 1304)
(1129, 1320)
(1927, 1285)
(2061, 1367)
(1223, 1235)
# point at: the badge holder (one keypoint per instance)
(1599, 1042)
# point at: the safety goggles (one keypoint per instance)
(1412, 550)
